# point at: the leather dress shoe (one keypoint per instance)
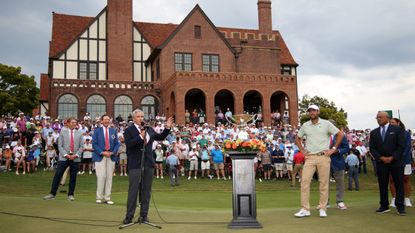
(127, 220)
(382, 210)
(401, 212)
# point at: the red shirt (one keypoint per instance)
(298, 158)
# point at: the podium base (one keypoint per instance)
(244, 223)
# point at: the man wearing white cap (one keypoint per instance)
(317, 154)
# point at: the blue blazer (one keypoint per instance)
(98, 144)
(337, 159)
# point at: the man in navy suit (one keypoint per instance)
(139, 141)
(105, 144)
(387, 144)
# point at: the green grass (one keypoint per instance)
(194, 206)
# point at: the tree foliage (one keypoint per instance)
(328, 110)
(18, 92)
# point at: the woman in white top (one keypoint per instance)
(19, 157)
(159, 154)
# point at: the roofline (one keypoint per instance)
(197, 7)
(77, 37)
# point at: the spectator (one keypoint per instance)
(87, 157)
(218, 161)
(265, 157)
(289, 157)
(352, 162)
(187, 116)
(172, 162)
(50, 156)
(19, 157)
(193, 158)
(122, 152)
(159, 155)
(407, 170)
(30, 159)
(205, 164)
(278, 160)
(7, 154)
(298, 161)
(21, 126)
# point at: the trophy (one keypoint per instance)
(241, 120)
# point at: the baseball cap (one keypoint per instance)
(313, 106)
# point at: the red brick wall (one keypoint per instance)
(184, 41)
(264, 16)
(120, 40)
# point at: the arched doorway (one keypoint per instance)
(67, 106)
(280, 107)
(252, 102)
(149, 105)
(195, 100)
(224, 99)
(96, 106)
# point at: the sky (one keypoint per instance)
(358, 54)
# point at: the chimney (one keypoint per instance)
(120, 40)
(264, 16)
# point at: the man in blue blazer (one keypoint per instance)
(139, 141)
(387, 143)
(105, 144)
(338, 166)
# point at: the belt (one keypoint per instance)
(318, 154)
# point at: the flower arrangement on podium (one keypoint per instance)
(243, 145)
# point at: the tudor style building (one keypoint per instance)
(111, 64)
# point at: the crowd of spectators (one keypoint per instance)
(29, 143)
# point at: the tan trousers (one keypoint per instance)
(104, 171)
(296, 170)
(322, 165)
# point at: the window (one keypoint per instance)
(123, 105)
(210, 63)
(88, 70)
(198, 31)
(93, 71)
(285, 70)
(83, 70)
(67, 106)
(148, 105)
(96, 106)
(183, 61)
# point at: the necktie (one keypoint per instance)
(72, 143)
(382, 133)
(107, 140)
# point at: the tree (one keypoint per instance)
(328, 110)
(18, 92)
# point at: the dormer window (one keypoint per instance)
(285, 70)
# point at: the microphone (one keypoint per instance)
(144, 125)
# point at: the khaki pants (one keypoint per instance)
(297, 170)
(104, 171)
(322, 165)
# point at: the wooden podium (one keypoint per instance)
(244, 194)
